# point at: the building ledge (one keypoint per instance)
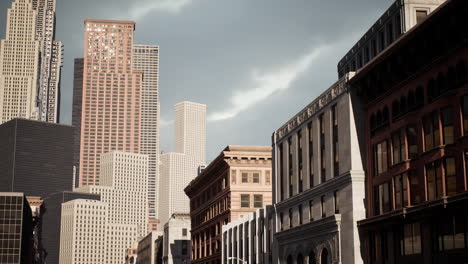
(317, 228)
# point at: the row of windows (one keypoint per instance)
(246, 201)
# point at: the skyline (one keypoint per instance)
(315, 42)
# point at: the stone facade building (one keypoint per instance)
(236, 183)
(415, 101)
(318, 183)
(176, 239)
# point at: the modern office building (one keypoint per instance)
(318, 183)
(415, 120)
(84, 233)
(146, 59)
(249, 239)
(234, 184)
(50, 63)
(176, 239)
(178, 168)
(398, 19)
(107, 96)
(19, 67)
(35, 157)
(16, 229)
(123, 188)
(50, 222)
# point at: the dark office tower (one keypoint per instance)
(16, 229)
(35, 157)
(51, 213)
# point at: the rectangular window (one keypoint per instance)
(412, 142)
(290, 218)
(465, 114)
(300, 214)
(322, 206)
(299, 160)
(281, 222)
(336, 159)
(323, 167)
(447, 125)
(431, 131)
(399, 148)
(411, 242)
(382, 196)
(281, 171)
(258, 200)
(311, 210)
(336, 199)
(434, 180)
(401, 190)
(256, 177)
(245, 200)
(415, 193)
(420, 16)
(311, 156)
(452, 233)
(290, 164)
(245, 177)
(380, 158)
(184, 231)
(450, 176)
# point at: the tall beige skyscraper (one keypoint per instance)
(107, 96)
(178, 168)
(190, 130)
(19, 58)
(146, 59)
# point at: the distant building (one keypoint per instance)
(178, 168)
(415, 127)
(50, 222)
(236, 183)
(16, 235)
(176, 239)
(398, 19)
(154, 225)
(107, 97)
(318, 183)
(146, 59)
(147, 248)
(131, 254)
(249, 239)
(88, 243)
(35, 157)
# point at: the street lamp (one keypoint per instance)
(243, 261)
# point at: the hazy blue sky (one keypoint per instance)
(255, 63)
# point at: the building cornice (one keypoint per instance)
(318, 228)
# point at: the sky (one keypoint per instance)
(254, 63)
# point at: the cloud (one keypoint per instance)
(266, 84)
(140, 10)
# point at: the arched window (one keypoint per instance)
(411, 101)
(324, 256)
(419, 96)
(403, 105)
(461, 73)
(431, 89)
(395, 109)
(300, 259)
(312, 257)
(289, 260)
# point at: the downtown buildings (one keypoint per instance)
(234, 184)
(31, 63)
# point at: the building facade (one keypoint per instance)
(36, 157)
(108, 112)
(16, 229)
(415, 97)
(318, 183)
(19, 67)
(399, 18)
(236, 183)
(176, 239)
(146, 59)
(131, 254)
(50, 222)
(249, 239)
(83, 232)
(147, 248)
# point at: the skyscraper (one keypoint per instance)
(110, 96)
(178, 168)
(50, 61)
(146, 58)
(190, 130)
(19, 59)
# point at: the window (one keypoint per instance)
(281, 221)
(336, 199)
(380, 158)
(434, 180)
(322, 205)
(290, 218)
(245, 200)
(465, 114)
(431, 131)
(300, 214)
(258, 200)
(281, 171)
(447, 125)
(323, 167)
(399, 149)
(382, 198)
(290, 164)
(411, 242)
(336, 159)
(184, 247)
(401, 190)
(311, 156)
(450, 176)
(452, 233)
(415, 193)
(245, 177)
(256, 177)
(420, 16)
(412, 142)
(184, 231)
(311, 207)
(299, 159)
